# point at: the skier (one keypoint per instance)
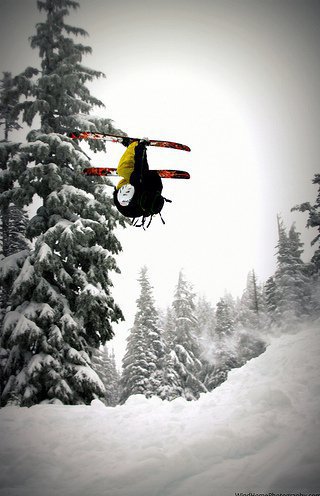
(138, 194)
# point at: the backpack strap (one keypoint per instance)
(142, 221)
(163, 222)
(151, 217)
(135, 221)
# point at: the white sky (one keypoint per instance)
(235, 80)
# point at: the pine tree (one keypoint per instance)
(114, 377)
(12, 89)
(13, 242)
(13, 222)
(314, 221)
(225, 317)
(185, 356)
(171, 387)
(252, 292)
(143, 361)
(251, 307)
(291, 279)
(270, 291)
(61, 301)
(206, 320)
(104, 365)
(221, 353)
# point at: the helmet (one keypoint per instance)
(125, 194)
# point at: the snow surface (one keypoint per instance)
(258, 432)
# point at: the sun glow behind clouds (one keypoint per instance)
(226, 178)
(213, 225)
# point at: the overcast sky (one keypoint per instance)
(238, 81)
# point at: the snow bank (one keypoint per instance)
(258, 432)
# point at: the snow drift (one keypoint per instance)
(258, 432)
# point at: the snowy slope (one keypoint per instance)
(259, 432)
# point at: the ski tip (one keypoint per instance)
(170, 144)
(186, 148)
(173, 174)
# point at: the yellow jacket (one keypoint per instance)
(126, 165)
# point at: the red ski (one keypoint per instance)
(120, 139)
(111, 171)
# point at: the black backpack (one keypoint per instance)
(147, 200)
(151, 201)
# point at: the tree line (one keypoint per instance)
(189, 349)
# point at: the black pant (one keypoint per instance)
(141, 166)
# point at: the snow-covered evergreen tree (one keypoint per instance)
(168, 326)
(206, 320)
(114, 377)
(291, 277)
(11, 104)
(61, 300)
(250, 298)
(13, 220)
(221, 353)
(13, 224)
(171, 387)
(185, 355)
(225, 316)
(251, 308)
(143, 361)
(314, 222)
(270, 296)
(103, 363)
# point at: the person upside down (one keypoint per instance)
(138, 193)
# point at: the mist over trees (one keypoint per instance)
(201, 343)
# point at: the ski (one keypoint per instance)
(112, 171)
(121, 139)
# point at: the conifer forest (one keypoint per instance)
(57, 308)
